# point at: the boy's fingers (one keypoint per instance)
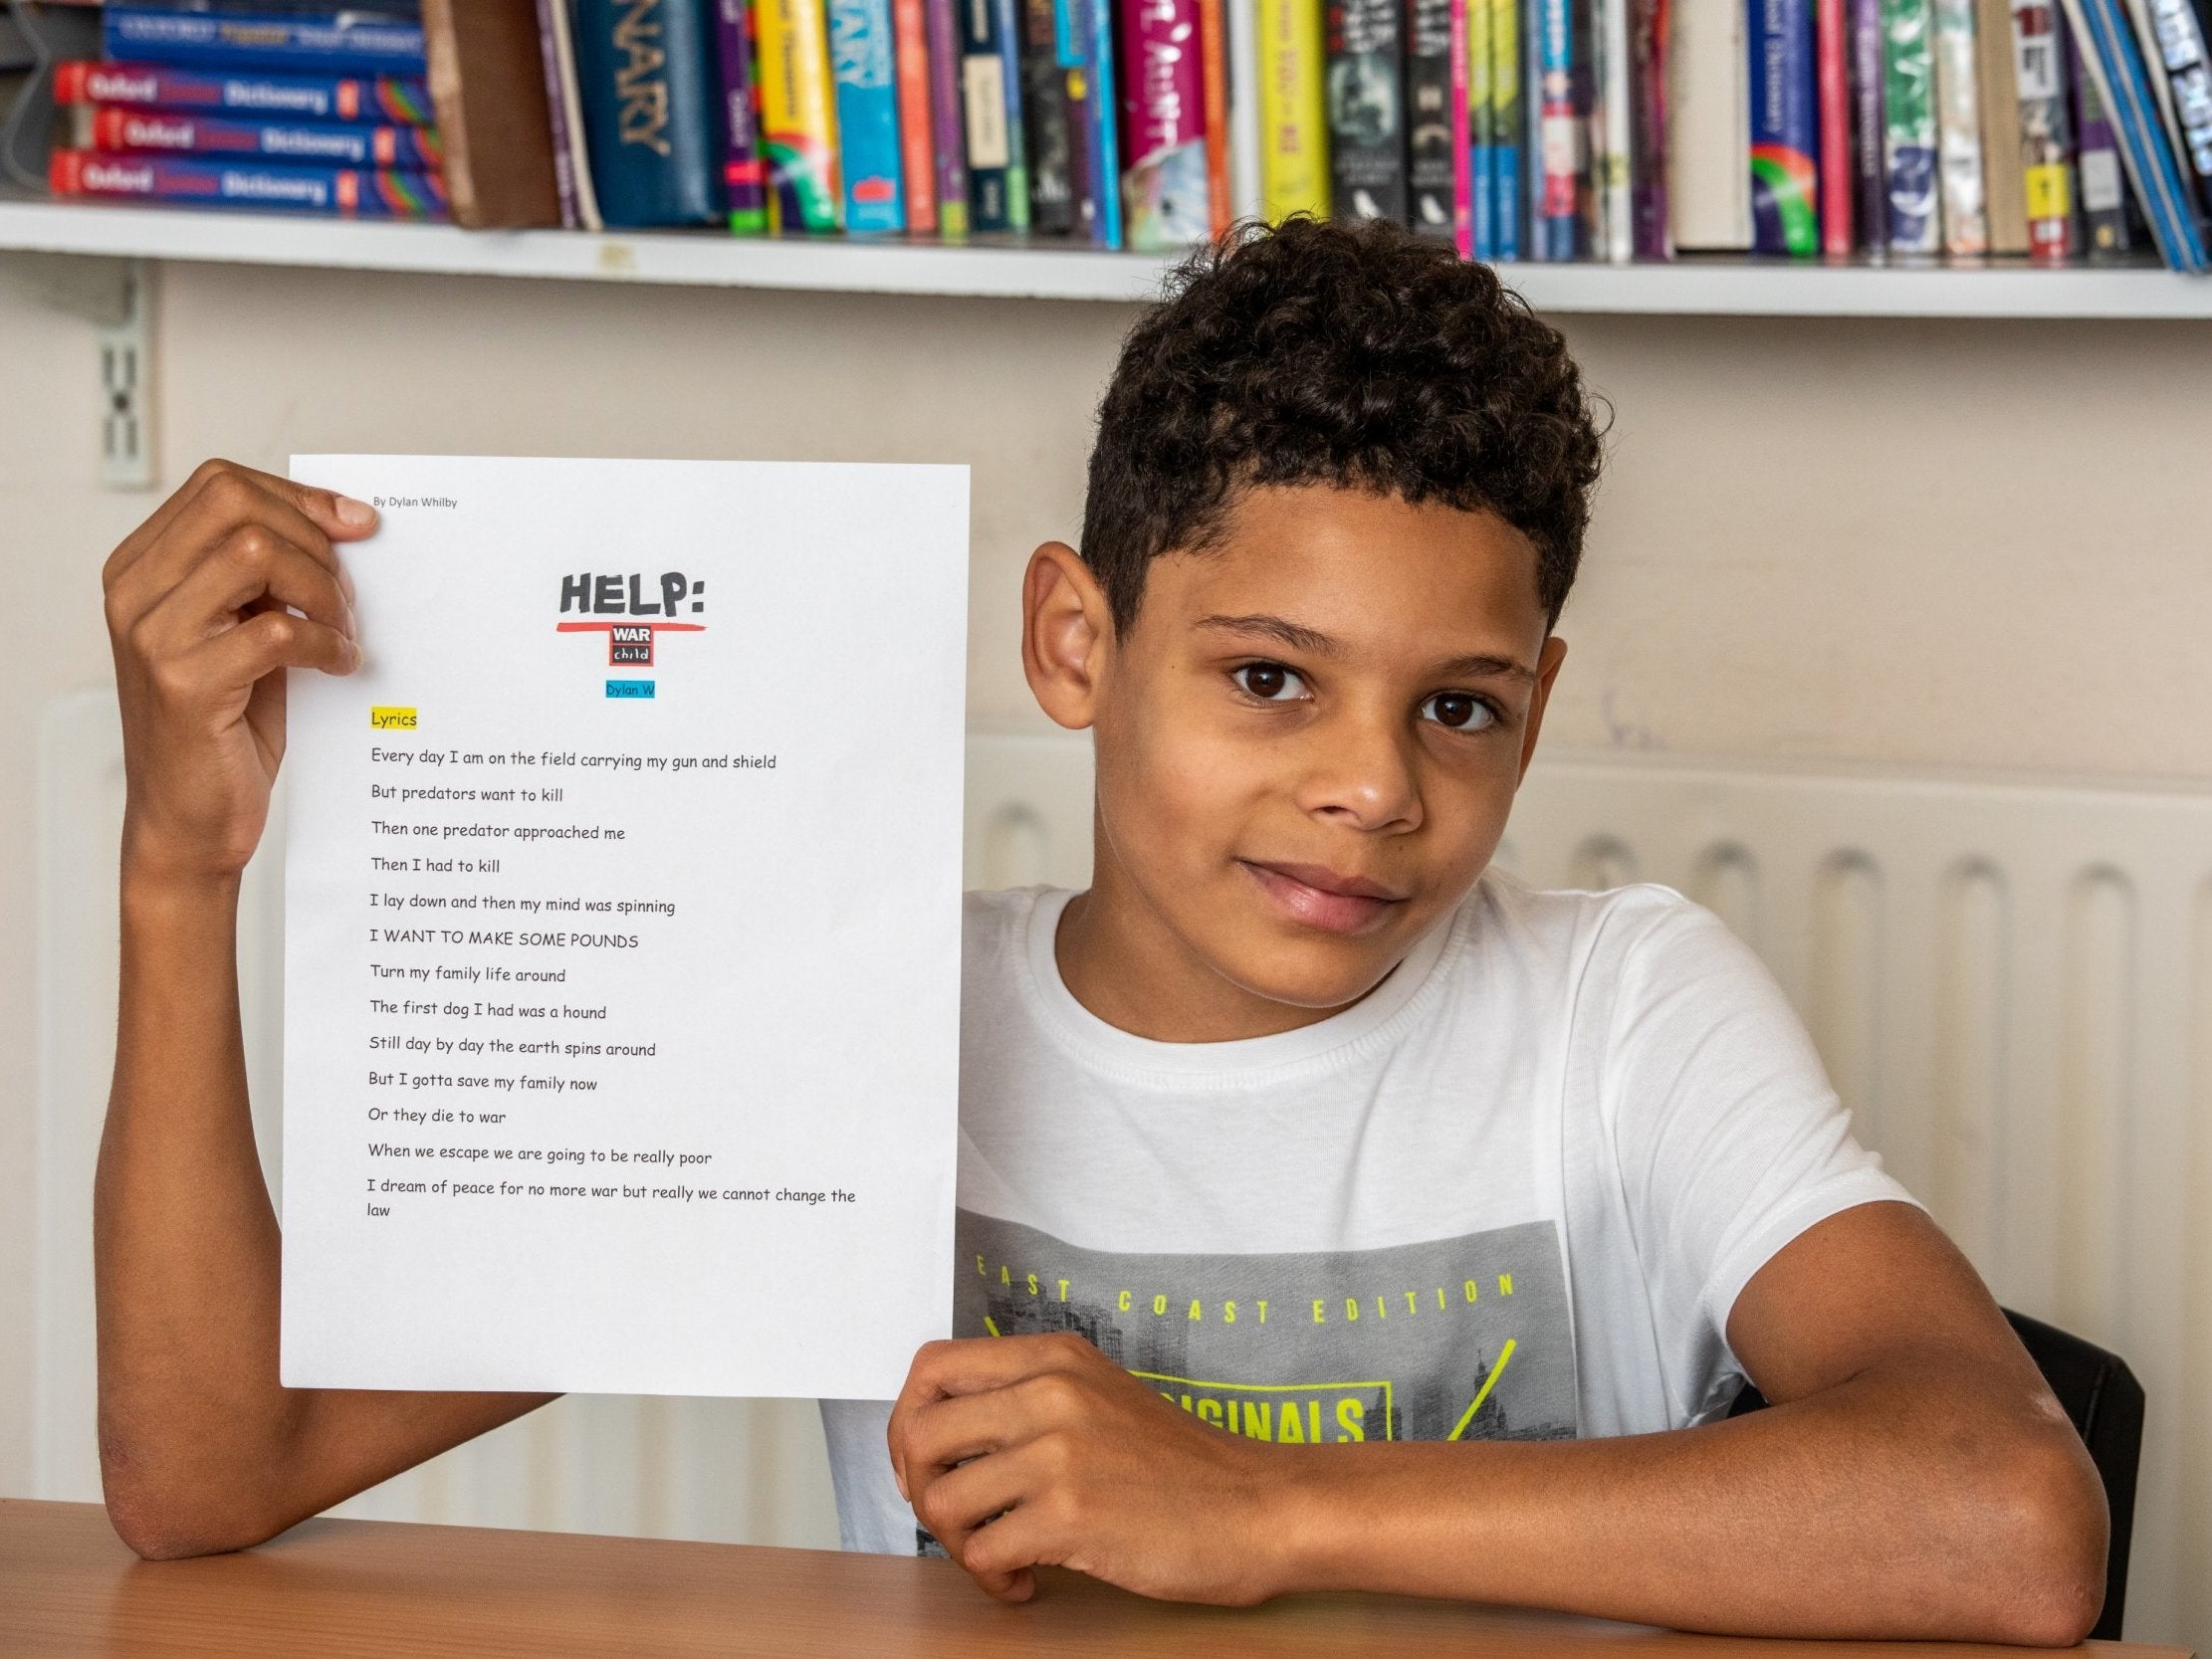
(225, 504)
(260, 645)
(1002, 1556)
(251, 568)
(955, 1506)
(945, 1433)
(971, 1365)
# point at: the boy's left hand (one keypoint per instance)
(1026, 1451)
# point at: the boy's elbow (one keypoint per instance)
(166, 1519)
(2054, 1545)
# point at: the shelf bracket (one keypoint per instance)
(116, 296)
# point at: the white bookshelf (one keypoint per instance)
(1711, 288)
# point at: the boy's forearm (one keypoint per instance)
(1888, 1506)
(186, 1238)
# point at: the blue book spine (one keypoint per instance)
(2108, 37)
(363, 42)
(988, 90)
(1785, 129)
(861, 64)
(650, 87)
(1105, 124)
(207, 181)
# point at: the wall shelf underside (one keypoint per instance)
(1711, 287)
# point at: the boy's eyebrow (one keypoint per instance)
(1301, 638)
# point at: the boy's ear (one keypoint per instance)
(1066, 632)
(1547, 670)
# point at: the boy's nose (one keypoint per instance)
(1362, 777)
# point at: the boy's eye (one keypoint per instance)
(1271, 682)
(1460, 712)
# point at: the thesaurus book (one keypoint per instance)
(622, 931)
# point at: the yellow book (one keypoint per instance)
(798, 115)
(1294, 132)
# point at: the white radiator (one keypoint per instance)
(2012, 984)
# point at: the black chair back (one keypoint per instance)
(2105, 1402)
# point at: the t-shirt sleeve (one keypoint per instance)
(1730, 1138)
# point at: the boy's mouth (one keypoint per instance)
(1322, 897)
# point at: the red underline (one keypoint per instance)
(656, 627)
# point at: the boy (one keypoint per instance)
(1294, 1093)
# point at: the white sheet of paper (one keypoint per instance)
(622, 931)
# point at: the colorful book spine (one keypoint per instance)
(1959, 130)
(1556, 216)
(412, 148)
(1430, 169)
(1909, 121)
(1785, 130)
(1103, 102)
(799, 132)
(2104, 185)
(311, 97)
(192, 181)
(1044, 109)
(861, 60)
(1293, 119)
(948, 121)
(1611, 141)
(2107, 39)
(1869, 167)
(743, 172)
(2179, 30)
(1649, 34)
(1508, 119)
(564, 146)
(1165, 202)
(917, 166)
(1832, 52)
(351, 41)
(1481, 98)
(1071, 55)
(1009, 33)
(2046, 129)
(1461, 138)
(1213, 84)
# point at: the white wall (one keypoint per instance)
(1969, 545)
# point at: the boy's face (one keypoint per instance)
(1307, 744)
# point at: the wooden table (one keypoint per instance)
(331, 1588)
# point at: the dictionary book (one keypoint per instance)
(648, 82)
(324, 144)
(308, 98)
(863, 62)
(206, 181)
(354, 40)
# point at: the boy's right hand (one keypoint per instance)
(200, 602)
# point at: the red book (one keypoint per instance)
(1213, 66)
(917, 156)
(1832, 56)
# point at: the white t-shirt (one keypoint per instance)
(1512, 1193)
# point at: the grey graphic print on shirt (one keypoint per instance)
(1458, 1338)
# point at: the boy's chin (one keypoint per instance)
(1323, 974)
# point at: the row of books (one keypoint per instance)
(198, 103)
(2042, 128)
(1549, 129)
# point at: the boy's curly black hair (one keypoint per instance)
(1352, 355)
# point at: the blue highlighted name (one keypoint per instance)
(629, 687)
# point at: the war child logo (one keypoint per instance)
(634, 598)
